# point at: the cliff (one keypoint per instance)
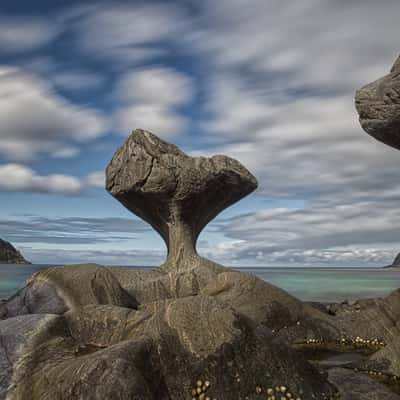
(395, 264)
(10, 255)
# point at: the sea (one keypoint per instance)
(325, 284)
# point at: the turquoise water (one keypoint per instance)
(311, 284)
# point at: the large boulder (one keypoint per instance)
(56, 290)
(161, 351)
(378, 105)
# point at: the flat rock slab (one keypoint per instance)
(15, 335)
(359, 386)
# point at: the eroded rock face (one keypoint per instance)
(10, 255)
(57, 290)
(116, 333)
(177, 194)
(378, 105)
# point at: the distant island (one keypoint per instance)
(10, 255)
(395, 264)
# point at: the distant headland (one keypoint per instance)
(395, 265)
(10, 255)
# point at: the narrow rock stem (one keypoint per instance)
(181, 242)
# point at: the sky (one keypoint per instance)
(269, 82)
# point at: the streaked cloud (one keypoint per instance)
(268, 82)
(150, 98)
(34, 119)
(77, 80)
(141, 258)
(72, 230)
(26, 33)
(19, 178)
(127, 33)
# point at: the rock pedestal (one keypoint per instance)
(191, 329)
(177, 194)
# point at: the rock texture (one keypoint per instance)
(358, 386)
(378, 105)
(10, 255)
(190, 329)
(177, 194)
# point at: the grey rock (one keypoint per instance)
(159, 352)
(395, 264)
(15, 334)
(378, 105)
(10, 255)
(396, 261)
(56, 290)
(177, 194)
(358, 386)
(151, 334)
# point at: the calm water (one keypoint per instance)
(317, 284)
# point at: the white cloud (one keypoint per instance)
(325, 44)
(65, 152)
(21, 34)
(97, 179)
(162, 86)
(127, 33)
(149, 99)
(162, 121)
(19, 178)
(34, 119)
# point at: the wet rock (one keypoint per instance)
(359, 386)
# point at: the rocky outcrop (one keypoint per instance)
(191, 329)
(176, 194)
(378, 105)
(10, 255)
(395, 264)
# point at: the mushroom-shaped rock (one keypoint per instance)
(177, 194)
(378, 105)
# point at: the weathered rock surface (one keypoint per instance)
(15, 333)
(378, 105)
(57, 290)
(358, 386)
(190, 329)
(177, 194)
(10, 255)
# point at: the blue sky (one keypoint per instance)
(268, 82)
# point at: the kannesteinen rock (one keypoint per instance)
(190, 329)
(10, 255)
(378, 105)
(177, 194)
